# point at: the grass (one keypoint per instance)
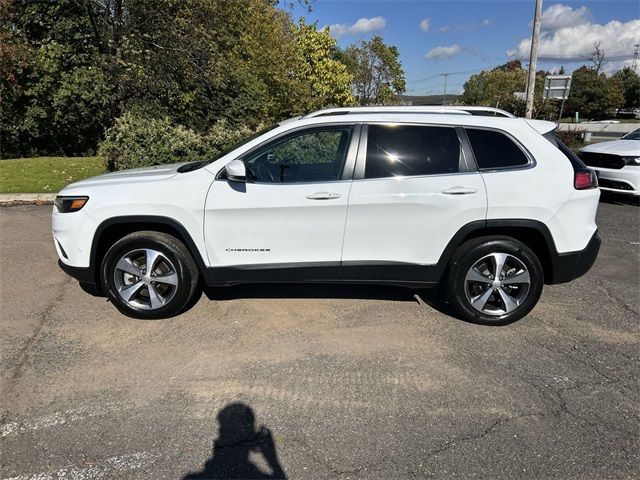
(46, 174)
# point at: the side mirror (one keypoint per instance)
(236, 171)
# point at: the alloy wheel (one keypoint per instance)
(497, 284)
(146, 279)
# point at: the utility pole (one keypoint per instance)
(444, 93)
(533, 58)
(636, 52)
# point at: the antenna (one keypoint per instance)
(636, 52)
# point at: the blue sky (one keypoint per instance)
(466, 36)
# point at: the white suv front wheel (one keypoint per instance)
(149, 275)
(494, 280)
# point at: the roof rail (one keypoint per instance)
(449, 109)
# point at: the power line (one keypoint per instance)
(420, 80)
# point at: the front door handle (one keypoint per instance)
(323, 196)
(460, 191)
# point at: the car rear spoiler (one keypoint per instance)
(541, 126)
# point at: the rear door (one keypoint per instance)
(414, 187)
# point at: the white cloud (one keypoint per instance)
(612, 67)
(425, 24)
(561, 16)
(440, 53)
(575, 43)
(486, 22)
(446, 28)
(363, 25)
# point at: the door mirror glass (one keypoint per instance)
(236, 171)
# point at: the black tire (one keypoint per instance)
(475, 250)
(179, 258)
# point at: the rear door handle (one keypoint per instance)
(323, 196)
(460, 191)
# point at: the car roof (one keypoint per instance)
(448, 109)
(427, 118)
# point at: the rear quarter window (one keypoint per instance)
(576, 163)
(494, 150)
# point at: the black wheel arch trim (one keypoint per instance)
(149, 220)
(564, 266)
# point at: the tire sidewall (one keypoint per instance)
(468, 258)
(125, 245)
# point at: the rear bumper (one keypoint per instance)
(569, 266)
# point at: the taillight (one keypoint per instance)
(584, 179)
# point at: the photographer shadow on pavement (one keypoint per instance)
(237, 439)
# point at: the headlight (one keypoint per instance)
(631, 160)
(70, 204)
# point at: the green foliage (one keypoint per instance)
(54, 92)
(46, 174)
(571, 138)
(312, 148)
(378, 77)
(138, 141)
(328, 83)
(496, 88)
(593, 95)
(70, 68)
(628, 82)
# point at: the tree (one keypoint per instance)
(378, 77)
(628, 82)
(497, 88)
(55, 94)
(70, 68)
(592, 94)
(597, 57)
(328, 83)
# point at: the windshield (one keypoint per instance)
(189, 167)
(635, 135)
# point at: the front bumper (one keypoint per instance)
(82, 274)
(571, 265)
(625, 180)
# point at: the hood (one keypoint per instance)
(135, 175)
(616, 147)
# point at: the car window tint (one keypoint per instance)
(395, 151)
(495, 149)
(308, 156)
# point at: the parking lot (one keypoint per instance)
(343, 382)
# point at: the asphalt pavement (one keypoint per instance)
(317, 381)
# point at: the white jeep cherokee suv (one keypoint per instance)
(489, 208)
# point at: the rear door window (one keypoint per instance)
(495, 150)
(407, 150)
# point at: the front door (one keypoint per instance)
(287, 222)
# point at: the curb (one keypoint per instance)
(13, 199)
